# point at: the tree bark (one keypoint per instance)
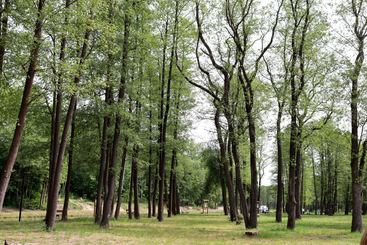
(121, 178)
(224, 162)
(177, 197)
(356, 169)
(223, 187)
(335, 198)
(314, 182)
(155, 187)
(172, 177)
(322, 183)
(103, 159)
(172, 187)
(64, 216)
(129, 206)
(298, 173)
(249, 99)
(302, 193)
(280, 188)
(150, 166)
(135, 182)
(31, 72)
(239, 184)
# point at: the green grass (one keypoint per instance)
(193, 228)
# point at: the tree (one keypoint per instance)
(164, 110)
(116, 136)
(357, 160)
(246, 75)
(280, 93)
(300, 19)
(31, 72)
(64, 215)
(56, 113)
(105, 140)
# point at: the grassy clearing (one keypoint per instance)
(193, 228)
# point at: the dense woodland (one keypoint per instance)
(97, 101)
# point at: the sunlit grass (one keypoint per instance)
(192, 228)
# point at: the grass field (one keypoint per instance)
(192, 228)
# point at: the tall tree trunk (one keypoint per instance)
(165, 198)
(298, 172)
(357, 179)
(56, 116)
(175, 193)
(129, 206)
(103, 159)
(121, 178)
(233, 177)
(293, 137)
(155, 187)
(224, 162)
(161, 158)
(322, 183)
(116, 137)
(329, 186)
(249, 102)
(149, 184)
(355, 168)
(164, 115)
(253, 166)
(171, 180)
(223, 187)
(51, 213)
(64, 216)
(172, 187)
(112, 206)
(177, 197)
(259, 188)
(14, 147)
(335, 197)
(103, 162)
(296, 90)
(105, 174)
(239, 184)
(280, 188)
(135, 182)
(314, 182)
(292, 167)
(302, 196)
